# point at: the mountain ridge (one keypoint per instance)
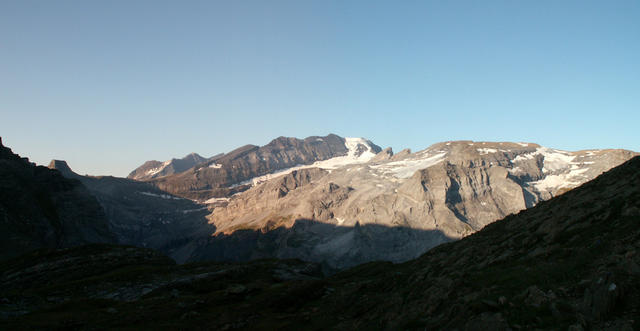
(224, 175)
(39, 208)
(154, 169)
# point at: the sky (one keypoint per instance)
(107, 85)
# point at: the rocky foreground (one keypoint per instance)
(572, 262)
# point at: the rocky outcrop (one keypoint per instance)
(229, 173)
(39, 208)
(383, 155)
(156, 169)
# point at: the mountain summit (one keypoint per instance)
(156, 169)
(226, 174)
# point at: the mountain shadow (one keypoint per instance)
(141, 215)
(334, 247)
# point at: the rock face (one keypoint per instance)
(568, 263)
(396, 207)
(156, 169)
(40, 208)
(139, 214)
(228, 174)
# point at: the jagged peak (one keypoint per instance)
(63, 167)
(193, 154)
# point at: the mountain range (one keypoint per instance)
(225, 174)
(336, 201)
(570, 262)
(363, 203)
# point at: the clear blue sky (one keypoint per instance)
(107, 85)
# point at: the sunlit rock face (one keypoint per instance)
(227, 174)
(395, 207)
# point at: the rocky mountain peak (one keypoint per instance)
(383, 155)
(194, 156)
(63, 167)
(237, 170)
(155, 169)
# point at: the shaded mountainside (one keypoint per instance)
(570, 262)
(224, 175)
(40, 208)
(139, 214)
(155, 169)
(404, 204)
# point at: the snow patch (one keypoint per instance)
(330, 164)
(555, 160)
(576, 172)
(162, 196)
(484, 151)
(552, 182)
(524, 157)
(406, 168)
(186, 211)
(514, 170)
(216, 200)
(154, 171)
(215, 166)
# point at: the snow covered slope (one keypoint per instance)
(359, 150)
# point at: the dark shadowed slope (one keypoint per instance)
(570, 262)
(40, 208)
(139, 214)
